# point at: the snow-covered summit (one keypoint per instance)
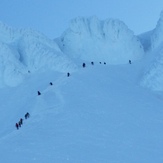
(92, 39)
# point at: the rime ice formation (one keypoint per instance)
(92, 39)
(23, 51)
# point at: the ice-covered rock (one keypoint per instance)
(94, 40)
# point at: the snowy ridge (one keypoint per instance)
(110, 40)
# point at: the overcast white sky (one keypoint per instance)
(52, 17)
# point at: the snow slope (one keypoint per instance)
(91, 39)
(99, 114)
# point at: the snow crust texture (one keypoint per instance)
(110, 40)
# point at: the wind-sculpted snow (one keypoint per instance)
(39, 52)
(23, 51)
(109, 40)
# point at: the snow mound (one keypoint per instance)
(23, 51)
(92, 39)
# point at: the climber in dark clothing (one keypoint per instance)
(17, 126)
(21, 121)
(27, 115)
(84, 65)
(38, 93)
(68, 74)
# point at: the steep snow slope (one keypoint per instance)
(99, 114)
(24, 51)
(91, 39)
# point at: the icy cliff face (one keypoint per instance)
(94, 40)
(26, 51)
